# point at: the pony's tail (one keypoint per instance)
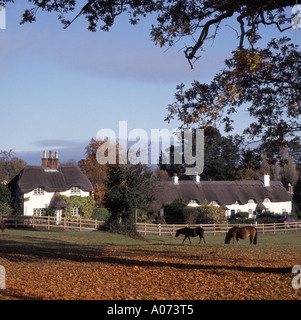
(255, 238)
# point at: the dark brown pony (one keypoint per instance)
(188, 232)
(241, 233)
(2, 225)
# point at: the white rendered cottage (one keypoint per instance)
(40, 186)
(252, 196)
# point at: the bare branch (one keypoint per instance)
(242, 30)
(191, 51)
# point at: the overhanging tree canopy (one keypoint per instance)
(197, 19)
(267, 79)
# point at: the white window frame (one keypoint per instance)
(75, 212)
(38, 191)
(75, 190)
(39, 212)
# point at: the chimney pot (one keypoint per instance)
(44, 160)
(56, 160)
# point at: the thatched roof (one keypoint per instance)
(223, 192)
(58, 203)
(58, 180)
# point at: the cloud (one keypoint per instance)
(68, 151)
(57, 144)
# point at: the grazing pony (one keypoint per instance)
(188, 232)
(241, 233)
(2, 225)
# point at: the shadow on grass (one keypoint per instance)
(31, 249)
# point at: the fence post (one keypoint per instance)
(263, 228)
(48, 222)
(214, 229)
(274, 227)
(33, 221)
(16, 221)
(80, 224)
(173, 230)
(159, 229)
(145, 228)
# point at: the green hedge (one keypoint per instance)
(101, 214)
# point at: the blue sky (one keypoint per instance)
(60, 87)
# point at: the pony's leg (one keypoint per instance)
(250, 239)
(184, 239)
(189, 239)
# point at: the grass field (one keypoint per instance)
(98, 265)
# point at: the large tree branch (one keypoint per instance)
(191, 51)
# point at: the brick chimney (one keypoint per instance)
(44, 160)
(50, 161)
(56, 161)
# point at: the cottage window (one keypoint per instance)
(39, 212)
(75, 212)
(75, 190)
(38, 191)
(193, 203)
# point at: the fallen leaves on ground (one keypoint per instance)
(150, 272)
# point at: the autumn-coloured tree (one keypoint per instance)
(96, 173)
(265, 81)
(10, 165)
(161, 175)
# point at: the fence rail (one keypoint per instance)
(54, 223)
(51, 223)
(163, 229)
